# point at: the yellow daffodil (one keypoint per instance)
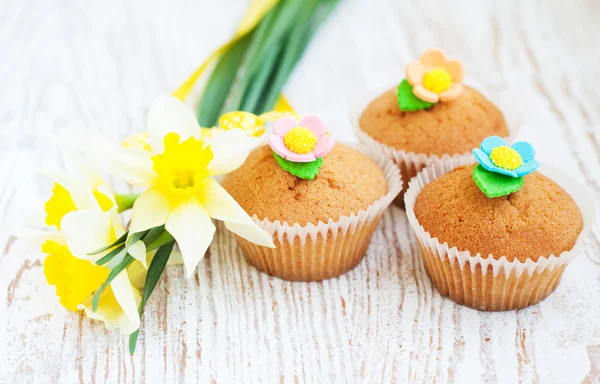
(80, 217)
(69, 193)
(85, 231)
(176, 165)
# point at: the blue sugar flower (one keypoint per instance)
(514, 161)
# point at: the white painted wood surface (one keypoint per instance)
(99, 64)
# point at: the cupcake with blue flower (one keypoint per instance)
(497, 234)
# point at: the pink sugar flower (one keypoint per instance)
(301, 142)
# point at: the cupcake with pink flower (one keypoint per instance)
(430, 115)
(319, 199)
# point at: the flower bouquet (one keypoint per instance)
(107, 266)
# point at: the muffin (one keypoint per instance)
(497, 239)
(321, 216)
(430, 115)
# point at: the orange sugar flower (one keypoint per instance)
(435, 78)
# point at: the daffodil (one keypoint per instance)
(81, 216)
(176, 165)
(85, 231)
(68, 194)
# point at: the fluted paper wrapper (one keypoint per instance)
(411, 163)
(326, 250)
(486, 283)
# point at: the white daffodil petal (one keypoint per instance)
(117, 307)
(169, 114)
(230, 150)
(137, 274)
(115, 221)
(219, 204)
(87, 230)
(134, 167)
(80, 192)
(37, 237)
(251, 232)
(137, 250)
(193, 230)
(150, 210)
(128, 298)
(90, 173)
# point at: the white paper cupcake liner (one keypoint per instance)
(317, 252)
(483, 282)
(410, 163)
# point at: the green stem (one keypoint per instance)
(162, 239)
(125, 201)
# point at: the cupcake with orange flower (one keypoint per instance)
(429, 116)
(320, 200)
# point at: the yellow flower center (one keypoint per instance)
(437, 80)
(300, 140)
(75, 279)
(506, 158)
(138, 141)
(182, 165)
(58, 205)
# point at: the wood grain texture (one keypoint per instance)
(99, 64)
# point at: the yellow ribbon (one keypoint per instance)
(257, 10)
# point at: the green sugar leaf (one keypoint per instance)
(306, 171)
(494, 184)
(408, 102)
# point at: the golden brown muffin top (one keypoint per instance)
(539, 220)
(452, 127)
(347, 182)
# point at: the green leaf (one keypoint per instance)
(155, 270)
(292, 51)
(258, 39)
(120, 240)
(283, 18)
(127, 260)
(257, 86)
(135, 237)
(152, 234)
(109, 256)
(273, 50)
(307, 171)
(220, 81)
(494, 184)
(264, 55)
(163, 238)
(408, 102)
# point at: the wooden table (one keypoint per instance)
(99, 64)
